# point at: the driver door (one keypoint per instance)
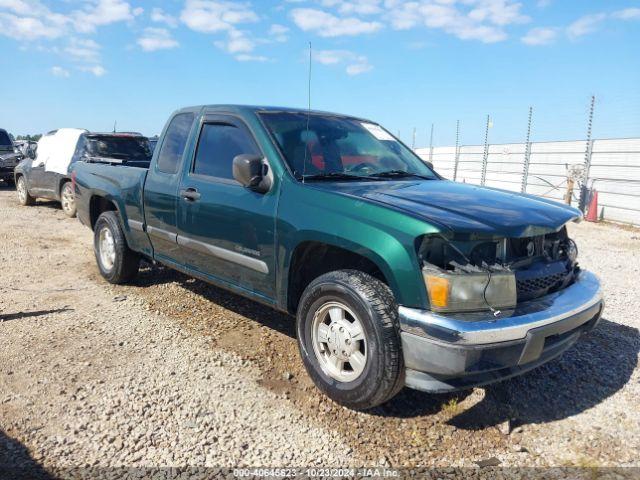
(225, 230)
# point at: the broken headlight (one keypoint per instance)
(465, 292)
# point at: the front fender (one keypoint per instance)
(386, 237)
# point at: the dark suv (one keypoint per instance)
(9, 157)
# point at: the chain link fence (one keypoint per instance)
(568, 171)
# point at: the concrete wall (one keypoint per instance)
(614, 172)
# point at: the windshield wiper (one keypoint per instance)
(336, 176)
(400, 174)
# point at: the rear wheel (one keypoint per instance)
(68, 199)
(348, 338)
(116, 261)
(23, 193)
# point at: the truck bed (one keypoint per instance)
(120, 184)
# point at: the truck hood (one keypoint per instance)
(465, 208)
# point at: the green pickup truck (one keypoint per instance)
(395, 276)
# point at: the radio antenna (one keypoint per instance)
(306, 144)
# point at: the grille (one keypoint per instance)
(531, 286)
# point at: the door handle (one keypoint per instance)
(190, 194)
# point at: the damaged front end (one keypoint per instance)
(465, 273)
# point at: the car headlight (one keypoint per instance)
(466, 292)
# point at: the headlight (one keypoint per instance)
(465, 292)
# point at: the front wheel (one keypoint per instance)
(116, 261)
(68, 200)
(347, 330)
(23, 193)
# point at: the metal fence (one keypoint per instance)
(562, 170)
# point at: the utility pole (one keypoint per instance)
(457, 152)
(527, 154)
(413, 141)
(485, 156)
(587, 157)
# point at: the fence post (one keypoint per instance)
(587, 157)
(431, 146)
(527, 154)
(486, 153)
(457, 153)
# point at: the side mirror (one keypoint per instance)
(429, 164)
(249, 171)
(31, 153)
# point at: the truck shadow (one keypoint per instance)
(158, 275)
(595, 368)
(16, 463)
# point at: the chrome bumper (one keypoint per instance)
(479, 328)
(448, 352)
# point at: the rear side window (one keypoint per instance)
(175, 140)
(5, 141)
(219, 144)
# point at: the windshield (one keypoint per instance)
(5, 141)
(339, 146)
(122, 148)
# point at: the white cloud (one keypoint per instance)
(159, 16)
(212, 16)
(327, 25)
(358, 68)
(103, 12)
(237, 42)
(279, 33)
(83, 50)
(96, 70)
(498, 12)
(540, 36)
(355, 7)
(60, 72)
(156, 39)
(40, 24)
(207, 16)
(245, 57)
(482, 20)
(627, 14)
(354, 64)
(585, 25)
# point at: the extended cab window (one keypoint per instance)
(219, 144)
(174, 142)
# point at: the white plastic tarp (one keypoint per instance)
(55, 151)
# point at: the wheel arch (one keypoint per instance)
(316, 254)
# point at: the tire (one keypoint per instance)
(23, 192)
(116, 261)
(68, 200)
(370, 303)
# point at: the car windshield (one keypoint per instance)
(5, 141)
(326, 146)
(121, 148)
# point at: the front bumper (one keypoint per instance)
(456, 351)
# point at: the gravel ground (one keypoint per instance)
(173, 372)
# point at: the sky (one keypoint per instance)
(407, 64)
